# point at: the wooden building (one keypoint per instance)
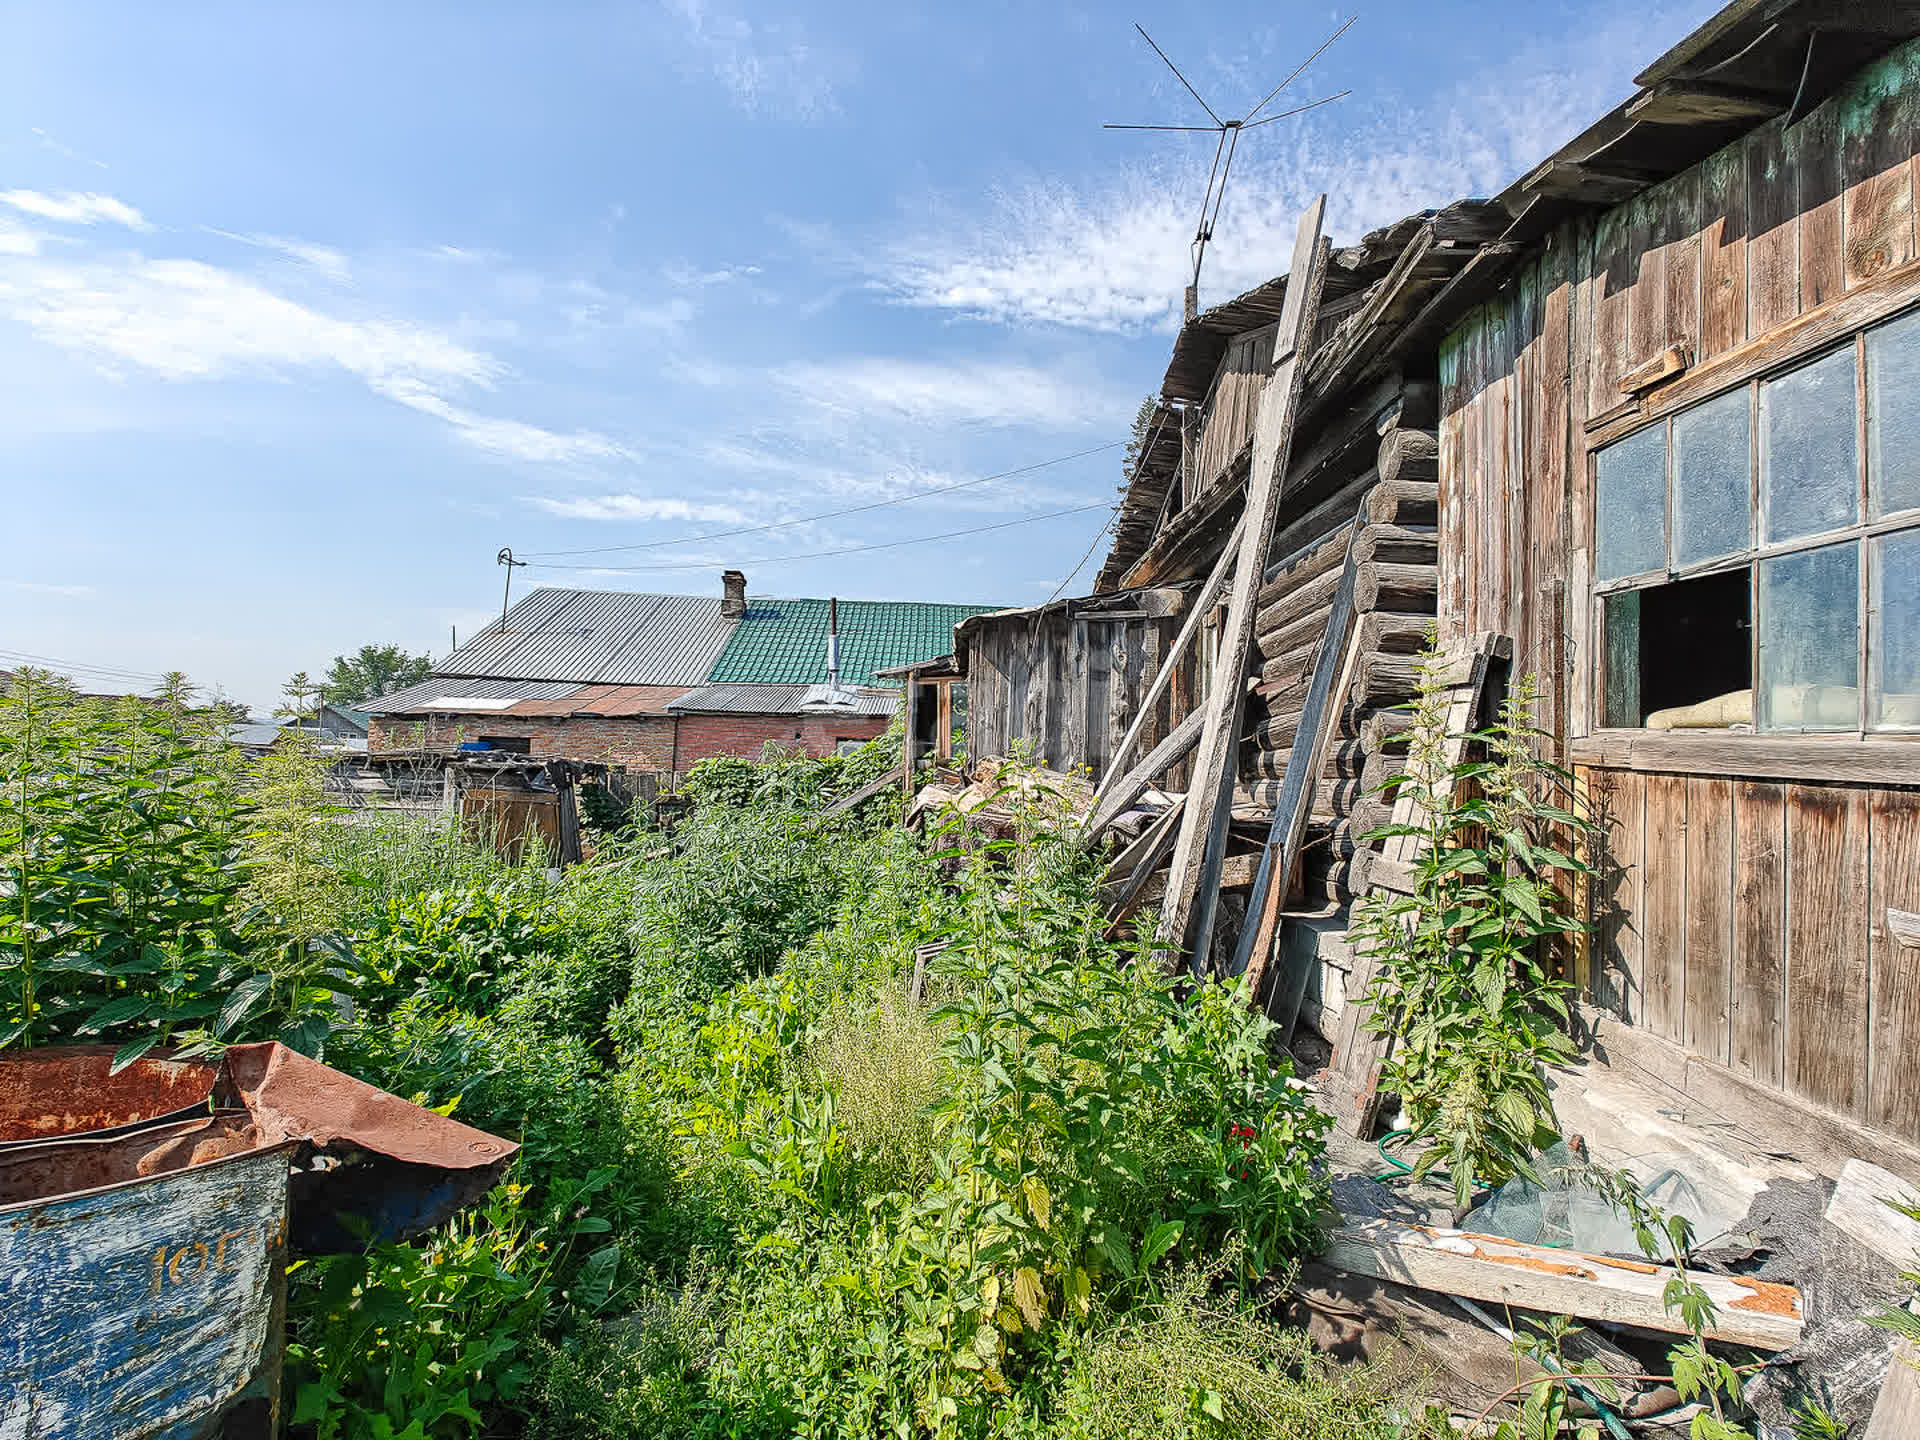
(1654, 414)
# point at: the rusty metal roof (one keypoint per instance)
(597, 637)
(447, 692)
(779, 700)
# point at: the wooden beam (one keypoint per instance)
(1193, 887)
(1757, 1313)
(1862, 1206)
(1163, 677)
(1896, 1414)
(1168, 753)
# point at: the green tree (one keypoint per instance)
(372, 671)
(1138, 439)
(301, 692)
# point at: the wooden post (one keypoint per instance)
(1193, 886)
(943, 721)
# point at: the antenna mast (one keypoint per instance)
(1229, 140)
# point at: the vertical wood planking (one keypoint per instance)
(1709, 922)
(1450, 580)
(1759, 927)
(1664, 906)
(1773, 252)
(1497, 485)
(1546, 477)
(1827, 946)
(1723, 251)
(1893, 1101)
(1619, 803)
(1611, 288)
(1682, 222)
(1814, 145)
(1646, 228)
(1876, 152)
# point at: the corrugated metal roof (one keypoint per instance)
(437, 688)
(604, 701)
(777, 700)
(604, 637)
(784, 642)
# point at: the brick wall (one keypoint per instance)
(702, 736)
(640, 742)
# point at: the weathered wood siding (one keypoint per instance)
(1740, 916)
(1067, 684)
(1227, 426)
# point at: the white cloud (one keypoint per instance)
(1113, 256)
(771, 69)
(74, 208)
(513, 439)
(992, 392)
(17, 240)
(36, 587)
(324, 259)
(639, 507)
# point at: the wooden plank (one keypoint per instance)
(1169, 666)
(1894, 960)
(1756, 1011)
(1773, 253)
(1071, 713)
(1569, 1282)
(1876, 152)
(1814, 144)
(1856, 762)
(1148, 842)
(1664, 906)
(1896, 1414)
(1280, 854)
(1612, 285)
(1827, 947)
(1619, 799)
(1709, 920)
(1191, 894)
(1863, 1207)
(1723, 252)
(1131, 786)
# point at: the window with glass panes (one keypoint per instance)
(1757, 556)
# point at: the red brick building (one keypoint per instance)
(658, 682)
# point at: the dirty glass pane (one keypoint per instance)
(1809, 455)
(1809, 640)
(1711, 502)
(1620, 625)
(1630, 520)
(1894, 633)
(1893, 416)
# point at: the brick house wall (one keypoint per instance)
(702, 736)
(639, 742)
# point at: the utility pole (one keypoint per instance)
(505, 557)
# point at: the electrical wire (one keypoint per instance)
(831, 514)
(74, 666)
(1067, 579)
(824, 554)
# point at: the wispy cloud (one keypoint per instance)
(768, 69)
(639, 507)
(48, 142)
(925, 392)
(37, 587)
(74, 208)
(1113, 255)
(322, 258)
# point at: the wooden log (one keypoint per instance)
(1309, 598)
(1404, 502)
(1377, 727)
(1379, 681)
(1407, 589)
(1324, 519)
(1408, 454)
(1324, 555)
(1757, 1313)
(1396, 545)
(1388, 631)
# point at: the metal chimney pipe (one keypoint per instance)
(833, 642)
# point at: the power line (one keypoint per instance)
(1067, 579)
(76, 666)
(831, 514)
(823, 554)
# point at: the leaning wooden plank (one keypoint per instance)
(1281, 854)
(1758, 1313)
(1163, 677)
(1193, 887)
(1168, 753)
(865, 793)
(1862, 1206)
(1132, 896)
(1235, 874)
(1147, 843)
(1896, 1414)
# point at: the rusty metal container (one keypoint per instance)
(145, 1219)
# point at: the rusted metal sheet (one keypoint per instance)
(142, 1240)
(149, 1309)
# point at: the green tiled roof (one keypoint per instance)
(784, 642)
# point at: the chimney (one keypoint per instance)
(833, 643)
(733, 596)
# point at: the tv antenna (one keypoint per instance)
(505, 557)
(1229, 132)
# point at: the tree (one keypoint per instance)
(1142, 436)
(373, 671)
(301, 692)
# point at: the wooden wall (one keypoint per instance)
(1741, 916)
(1068, 684)
(1228, 423)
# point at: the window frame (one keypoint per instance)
(1615, 427)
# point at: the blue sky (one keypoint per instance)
(306, 311)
